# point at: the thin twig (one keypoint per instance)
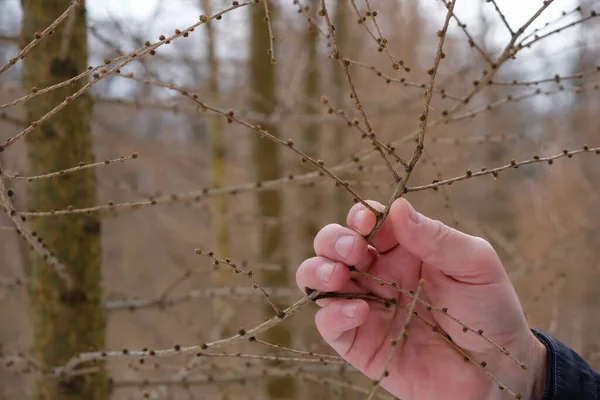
(513, 164)
(340, 58)
(271, 36)
(38, 37)
(502, 16)
(397, 343)
(162, 301)
(80, 167)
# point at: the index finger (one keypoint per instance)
(362, 220)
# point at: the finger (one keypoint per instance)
(323, 274)
(338, 320)
(341, 244)
(463, 257)
(363, 221)
(327, 275)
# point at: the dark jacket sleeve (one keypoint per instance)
(569, 376)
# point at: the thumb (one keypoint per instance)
(463, 257)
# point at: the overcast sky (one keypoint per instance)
(176, 12)
(181, 13)
(151, 18)
(148, 19)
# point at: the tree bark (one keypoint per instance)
(267, 163)
(311, 140)
(340, 22)
(312, 198)
(66, 321)
(218, 178)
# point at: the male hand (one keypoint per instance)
(461, 272)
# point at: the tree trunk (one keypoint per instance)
(310, 137)
(65, 321)
(218, 176)
(267, 164)
(312, 197)
(497, 210)
(583, 284)
(340, 22)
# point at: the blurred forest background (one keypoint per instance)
(192, 182)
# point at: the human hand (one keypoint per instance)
(461, 272)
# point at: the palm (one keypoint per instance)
(426, 355)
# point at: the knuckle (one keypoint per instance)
(325, 232)
(484, 245)
(484, 252)
(360, 207)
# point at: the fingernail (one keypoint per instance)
(412, 214)
(349, 310)
(344, 245)
(325, 271)
(322, 302)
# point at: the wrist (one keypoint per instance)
(539, 372)
(534, 379)
(531, 383)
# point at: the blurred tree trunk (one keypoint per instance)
(310, 137)
(584, 282)
(267, 164)
(65, 321)
(340, 22)
(218, 175)
(497, 210)
(312, 196)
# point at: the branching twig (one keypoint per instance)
(31, 238)
(513, 164)
(147, 49)
(247, 273)
(399, 192)
(353, 94)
